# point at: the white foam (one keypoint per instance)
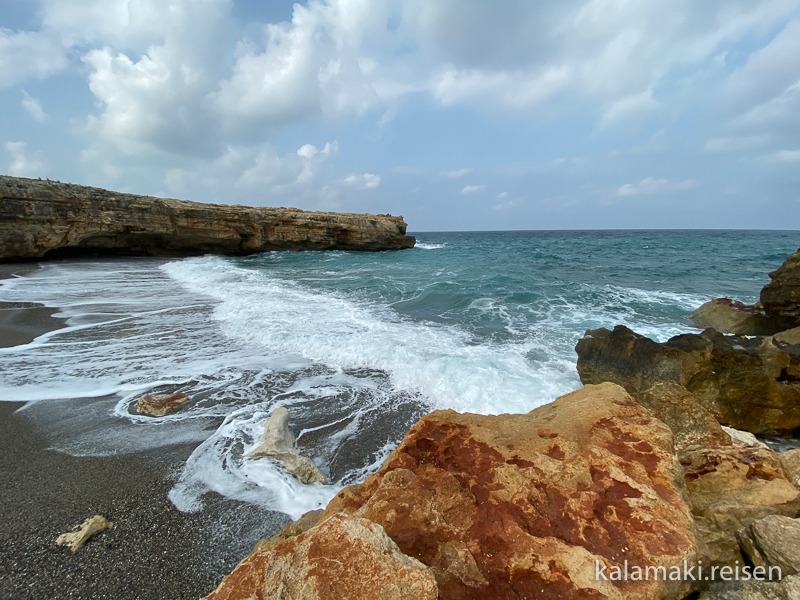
(424, 246)
(443, 363)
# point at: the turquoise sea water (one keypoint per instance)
(356, 345)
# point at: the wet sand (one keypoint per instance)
(153, 551)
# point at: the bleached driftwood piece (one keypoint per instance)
(80, 534)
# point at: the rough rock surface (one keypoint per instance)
(747, 383)
(790, 461)
(158, 405)
(773, 541)
(343, 558)
(731, 316)
(691, 424)
(522, 506)
(743, 438)
(77, 537)
(40, 219)
(786, 589)
(781, 297)
(729, 488)
(278, 443)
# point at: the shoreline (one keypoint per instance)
(153, 551)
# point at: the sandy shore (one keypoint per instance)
(153, 551)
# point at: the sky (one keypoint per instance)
(456, 114)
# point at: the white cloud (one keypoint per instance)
(271, 173)
(723, 145)
(455, 174)
(785, 156)
(23, 163)
(472, 189)
(651, 186)
(365, 181)
(628, 109)
(33, 107)
(26, 55)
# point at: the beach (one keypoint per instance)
(152, 551)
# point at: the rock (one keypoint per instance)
(790, 337)
(43, 219)
(342, 558)
(533, 505)
(730, 488)
(773, 541)
(691, 424)
(278, 443)
(746, 383)
(731, 316)
(744, 439)
(158, 405)
(781, 297)
(790, 461)
(786, 589)
(80, 534)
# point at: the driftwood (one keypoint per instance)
(80, 534)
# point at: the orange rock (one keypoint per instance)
(158, 405)
(533, 505)
(343, 558)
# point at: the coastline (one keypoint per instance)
(153, 550)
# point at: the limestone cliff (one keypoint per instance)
(42, 219)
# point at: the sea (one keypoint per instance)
(357, 346)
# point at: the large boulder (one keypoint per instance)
(343, 558)
(746, 383)
(790, 461)
(540, 505)
(731, 316)
(550, 504)
(277, 443)
(781, 297)
(729, 488)
(42, 219)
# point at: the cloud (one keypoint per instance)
(27, 55)
(503, 203)
(472, 189)
(785, 156)
(456, 174)
(630, 108)
(725, 145)
(270, 173)
(365, 181)
(23, 163)
(33, 107)
(651, 187)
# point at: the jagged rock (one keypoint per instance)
(158, 405)
(41, 219)
(744, 439)
(80, 534)
(342, 558)
(729, 488)
(786, 589)
(789, 337)
(278, 443)
(773, 541)
(746, 383)
(781, 297)
(530, 505)
(731, 316)
(790, 461)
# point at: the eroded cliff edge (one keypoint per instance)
(44, 219)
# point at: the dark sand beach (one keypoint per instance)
(153, 551)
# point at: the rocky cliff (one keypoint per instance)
(43, 219)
